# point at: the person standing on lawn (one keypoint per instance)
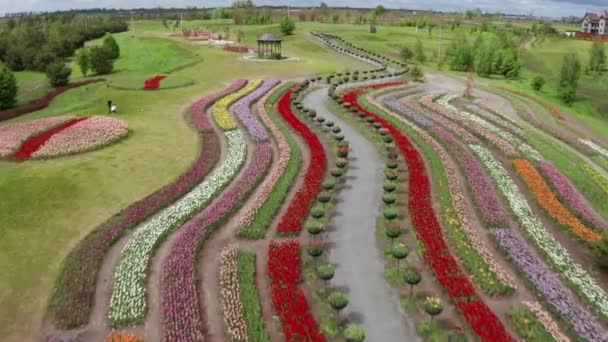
(109, 106)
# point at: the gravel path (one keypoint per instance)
(359, 264)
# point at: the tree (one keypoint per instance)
(379, 10)
(399, 252)
(314, 228)
(538, 82)
(569, 76)
(338, 301)
(405, 53)
(392, 233)
(417, 73)
(433, 306)
(315, 250)
(101, 60)
(324, 9)
(597, 58)
(354, 333)
(511, 66)
(326, 272)
(8, 87)
(58, 73)
(287, 26)
(419, 52)
(110, 44)
(83, 59)
(485, 60)
(412, 278)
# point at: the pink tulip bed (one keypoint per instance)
(86, 135)
(12, 136)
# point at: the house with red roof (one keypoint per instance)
(595, 23)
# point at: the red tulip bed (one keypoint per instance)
(34, 143)
(449, 274)
(12, 136)
(237, 48)
(154, 82)
(44, 101)
(292, 219)
(72, 300)
(288, 299)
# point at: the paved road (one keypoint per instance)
(359, 263)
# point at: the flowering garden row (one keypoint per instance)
(33, 144)
(498, 120)
(601, 181)
(536, 271)
(582, 282)
(128, 300)
(437, 255)
(182, 319)
(600, 149)
(487, 201)
(72, 299)
(549, 202)
(220, 109)
(230, 295)
(260, 213)
(44, 101)
(521, 145)
(288, 299)
(296, 213)
(242, 109)
(480, 262)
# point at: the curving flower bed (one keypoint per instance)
(480, 127)
(220, 109)
(428, 102)
(597, 177)
(128, 299)
(583, 283)
(478, 260)
(182, 319)
(548, 201)
(296, 213)
(154, 82)
(31, 145)
(484, 196)
(242, 109)
(123, 337)
(549, 285)
(274, 188)
(252, 308)
(496, 119)
(571, 196)
(230, 296)
(13, 135)
(449, 274)
(72, 299)
(288, 299)
(547, 321)
(44, 101)
(86, 135)
(598, 148)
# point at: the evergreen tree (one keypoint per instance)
(597, 59)
(287, 26)
(406, 53)
(538, 82)
(569, 76)
(462, 56)
(8, 87)
(83, 60)
(416, 74)
(101, 60)
(58, 73)
(419, 52)
(110, 44)
(485, 61)
(510, 67)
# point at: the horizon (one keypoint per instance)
(537, 8)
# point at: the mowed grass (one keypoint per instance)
(48, 206)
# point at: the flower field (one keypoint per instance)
(220, 109)
(288, 300)
(292, 220)
(154, 82)
(13, 135)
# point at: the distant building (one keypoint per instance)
(595, 24)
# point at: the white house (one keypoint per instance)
(595, 23)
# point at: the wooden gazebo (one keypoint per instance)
(269, 46)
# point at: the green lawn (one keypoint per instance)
(48, 206)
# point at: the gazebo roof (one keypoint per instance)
(269, 37)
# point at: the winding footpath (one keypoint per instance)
(359, 265)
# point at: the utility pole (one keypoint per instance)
(287, 10)
(181, 22)
(440, 35)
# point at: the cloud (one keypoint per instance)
(553, 8)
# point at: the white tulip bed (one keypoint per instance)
(524, 148)
(128, 300)
(582, 281)
(601, 150)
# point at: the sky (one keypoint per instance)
(543, 8)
